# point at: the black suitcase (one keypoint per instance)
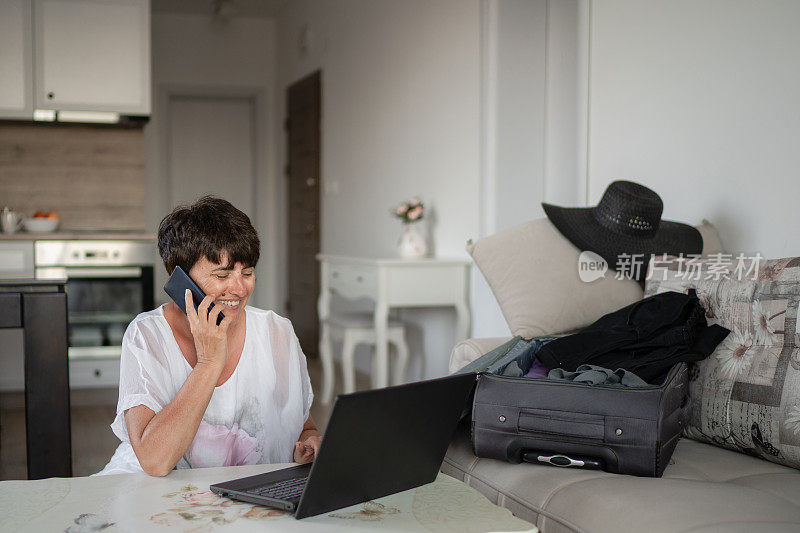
(625, 430)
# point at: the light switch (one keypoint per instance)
(331, 187)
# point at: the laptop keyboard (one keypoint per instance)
(283, 490)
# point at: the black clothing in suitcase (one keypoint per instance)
(647, 338)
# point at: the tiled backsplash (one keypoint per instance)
(93, 176)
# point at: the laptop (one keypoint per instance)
(377, 442)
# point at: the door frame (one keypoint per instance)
(265, 199)
(313, 76)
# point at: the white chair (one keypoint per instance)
(355, 329)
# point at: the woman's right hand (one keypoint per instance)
(210, 339)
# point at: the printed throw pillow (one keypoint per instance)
(746, 395)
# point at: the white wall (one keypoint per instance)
(519, 155)
(400, 117)
(698, 100)
(200, 51)
(533, 122)
(566, 101)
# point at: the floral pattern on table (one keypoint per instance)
(369, 512)
(88, 523)
(199, 510)
(746, 395)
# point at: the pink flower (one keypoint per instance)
(166, 519)
(220, 446)
(415, 213)
(201, 497)
(402, 209)
(415, 201)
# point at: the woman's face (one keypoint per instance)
(230, 287)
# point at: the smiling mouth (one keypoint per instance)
(230, 304)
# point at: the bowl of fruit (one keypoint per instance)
(41, 222)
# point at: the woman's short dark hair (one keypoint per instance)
(207, 228)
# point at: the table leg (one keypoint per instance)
(461, 305)
(462, 321)
(326, 356)
(400, 364)
(381, 378)
(47, 415)
(325, 348)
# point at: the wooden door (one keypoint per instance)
(303, 173)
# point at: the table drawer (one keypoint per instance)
(93, 373)
(353, 281)
(16, 260)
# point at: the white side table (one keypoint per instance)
(390, 283)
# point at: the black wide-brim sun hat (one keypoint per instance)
(626, 222)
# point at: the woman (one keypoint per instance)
(196, 394)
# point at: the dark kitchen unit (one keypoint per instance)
(108, 283)
(38, 309)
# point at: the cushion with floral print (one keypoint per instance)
(746, 395)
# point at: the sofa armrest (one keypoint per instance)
(467, 351)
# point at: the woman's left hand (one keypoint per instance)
(306, 451)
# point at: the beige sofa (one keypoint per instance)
(704, 488)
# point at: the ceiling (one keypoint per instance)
(227, 8)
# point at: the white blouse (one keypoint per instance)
(255, 417)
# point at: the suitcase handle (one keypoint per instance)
(562, 424)
(563, 461)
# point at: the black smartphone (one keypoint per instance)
(176, 287)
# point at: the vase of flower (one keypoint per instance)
(412, 243)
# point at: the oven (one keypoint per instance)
(108, 284)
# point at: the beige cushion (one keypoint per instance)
(746, 395)
(704, 488)
(533, 272)
(711, 241)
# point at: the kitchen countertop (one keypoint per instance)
(110, 235)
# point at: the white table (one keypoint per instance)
(390, 283)
(181, 501)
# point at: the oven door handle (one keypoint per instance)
(82, 272)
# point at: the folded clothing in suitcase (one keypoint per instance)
(626, 430)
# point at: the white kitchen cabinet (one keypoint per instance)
(92, 55)
(16, 59)
(93, 373)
